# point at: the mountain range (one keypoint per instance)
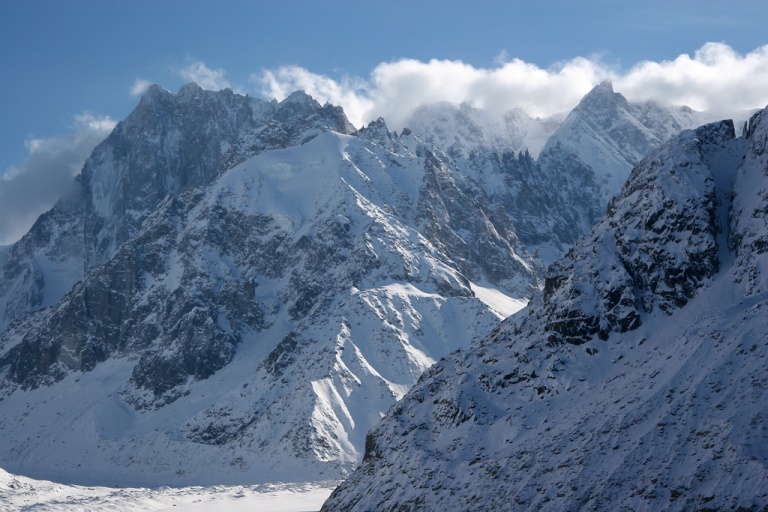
(249, 286)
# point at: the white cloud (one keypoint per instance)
(207, 78)
(351, 93)
(29, 189)
(139, 86)
(715, 78)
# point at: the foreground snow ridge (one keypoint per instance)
(636, 381)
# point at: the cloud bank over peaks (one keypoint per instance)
(31, 188)
(716, 79)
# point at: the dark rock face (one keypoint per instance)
(447, 212)
(610, 390)
(168, 144)
(748, 236)
(654, 249)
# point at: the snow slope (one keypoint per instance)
(635, 381)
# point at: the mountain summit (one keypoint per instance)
(609, 135)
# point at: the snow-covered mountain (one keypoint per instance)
(237, 290)
(168, 143)
(461, 130)
(609, 135)
(254, 326)
(554, 176)
(635, 381)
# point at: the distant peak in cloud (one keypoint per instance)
(716, 79)
(31, 188)
(205, 77)
(140, 86)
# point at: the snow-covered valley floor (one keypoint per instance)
(18, 493)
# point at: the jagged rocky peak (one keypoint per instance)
(153, 92)
(300, 105)
(157, 151)
(607, 136)
(603, 99)
(377, 126)
(378, 133)
(636, 380)
(296, 120)
(299, 101)
(189, 90)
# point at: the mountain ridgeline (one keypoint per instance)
(237, 290)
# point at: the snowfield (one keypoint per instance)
(19, 494)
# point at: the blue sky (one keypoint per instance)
(70, 66)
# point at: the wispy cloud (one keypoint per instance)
(351, 93)
(31, 188)
(139, 86)
(715, 78)
(207, 78)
